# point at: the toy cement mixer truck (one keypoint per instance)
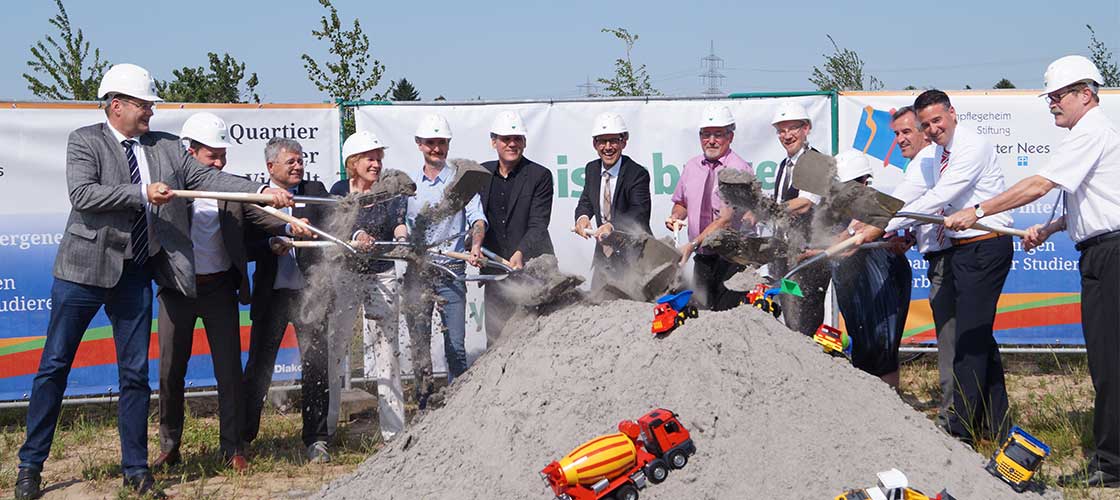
(616, 466)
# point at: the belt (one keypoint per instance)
(964, 241)
(204, 279)
(1087, 243)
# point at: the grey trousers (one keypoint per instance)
(942, 301)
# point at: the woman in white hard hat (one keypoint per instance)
(872, 289)
(372, 283)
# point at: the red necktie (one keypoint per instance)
(944, 165)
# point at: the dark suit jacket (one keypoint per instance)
(528, 213)
(233, 218)
(630, 200)
(265, 274)
(105, 203)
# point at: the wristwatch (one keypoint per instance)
(979, 211)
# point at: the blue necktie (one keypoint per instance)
(140, 227)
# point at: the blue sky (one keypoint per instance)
(539, 49)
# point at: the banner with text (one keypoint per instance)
(34, 205)
(664, 135)
(1041, 299)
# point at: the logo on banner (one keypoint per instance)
(875, 138)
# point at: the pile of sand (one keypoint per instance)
(770, 414)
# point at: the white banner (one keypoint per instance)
(1042, 294)
(663, 137)
(34, 205)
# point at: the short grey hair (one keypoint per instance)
(277, 144)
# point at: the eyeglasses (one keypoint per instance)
(790, 129)
(145, 106)
(604, 141)
(719, 134)
(1056, 96)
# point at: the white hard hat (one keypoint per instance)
(433, 126)
(851, 165)
(206, 128)
(360, 142)
(508, 123)
(1069, 70)
(130, 80)
(789, 110)
(608, 123)
(716, 116)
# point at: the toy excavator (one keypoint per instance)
(763, 298)
(892, 486)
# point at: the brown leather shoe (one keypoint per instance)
(238, 463)
(167, 459)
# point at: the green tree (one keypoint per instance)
(627, 81)
(1004, 84)
(75, 78)
(353, 74)
(221, 84)
(405, 91)
(843, 70)
(1102, 57)
(441, 98)
(910, 87)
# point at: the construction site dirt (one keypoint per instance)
(770, 414)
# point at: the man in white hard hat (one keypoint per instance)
(1086, 167)
(433, 139)
(615, 192)
(697, 205)
(967, 174)
(126, 227)
(218, 236)
(802, 314)
(921, 175)
(518, 208)
(371, 286)
(872, 288)
(280, 285)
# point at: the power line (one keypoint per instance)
(588, 89)
(712, 78)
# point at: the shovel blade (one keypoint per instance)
(814, 172)
(865, 204)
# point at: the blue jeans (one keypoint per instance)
(129, 307)
(454, 314)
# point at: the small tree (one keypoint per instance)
(843, 70)
(440, 98)
(405, 91)
(1102, 57)
(1004, 84)
(66, 64)
(352, 74)
(627, 81)
(222, 84)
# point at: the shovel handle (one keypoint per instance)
(224, 196)
(940, 219)
(316, 243)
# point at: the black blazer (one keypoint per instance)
(528, 214)
(265, 274)
(631, 198)
(234, 218)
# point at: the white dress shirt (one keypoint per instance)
(145, 179)
(210, 255)
(971, 177)
(921, 175)
(1086, 165)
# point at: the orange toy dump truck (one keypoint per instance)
(616, 466)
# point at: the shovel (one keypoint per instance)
(939, 219)
(470, 179)
(252, 197)
(744, 250)
(828, 252)
(292, 220)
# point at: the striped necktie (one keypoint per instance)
(944, 165)
(607, 192)
(140, 227)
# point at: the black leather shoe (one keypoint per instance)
(1090, 479)
(27, 484)
(144, 484)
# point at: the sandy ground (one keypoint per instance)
(771, 415)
